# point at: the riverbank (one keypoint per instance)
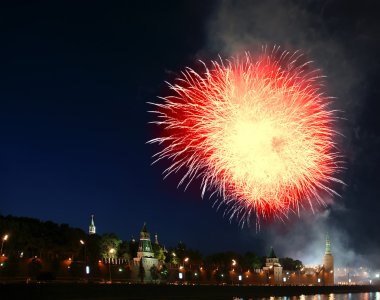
(56, 291)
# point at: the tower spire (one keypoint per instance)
(145, 245)
(328, 245)
(156, 239)
(92, 228)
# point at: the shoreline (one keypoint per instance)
(70, 291)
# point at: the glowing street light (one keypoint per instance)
(233, 262)
(185, 260)
(182, 268)
(111, 252)
(4, 239)
(86, 268)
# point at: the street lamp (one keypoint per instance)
(4, 239)
(233, 264)
(185, 260)
(111, 252)
(84, 256)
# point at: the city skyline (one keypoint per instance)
(75, 82)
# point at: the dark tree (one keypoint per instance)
(154, 273)
(290, 264)
(164, 273)
(133, 247)
(123, 251)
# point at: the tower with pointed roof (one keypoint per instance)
(145, 255)
(328, 264)
(145, 245)
(273, 268)
(156, 239)
(92, 228)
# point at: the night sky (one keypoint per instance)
(75, 79)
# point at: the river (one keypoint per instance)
(346, 296)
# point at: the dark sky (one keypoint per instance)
(75, 77)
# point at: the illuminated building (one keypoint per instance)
(328, 264)
(145, 252)
(92, 228)
(273, 268)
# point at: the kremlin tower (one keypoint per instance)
(273, 268)
(145, 255)
(328, 264)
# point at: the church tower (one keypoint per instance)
(328, 264)
(92, 228)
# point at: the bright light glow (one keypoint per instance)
(240, 277)
(186, 259)
(180, 275)
(5, 237)
(87, 270)
(234, 262)
(319, 280)
(195, 274)
(257, 131)
(284, 279)
(112, 251)
(120, 270)
(377, 275)
(81, 241)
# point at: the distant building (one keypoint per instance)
(92, 228)
(273, 268)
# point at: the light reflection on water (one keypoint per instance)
(349, 296)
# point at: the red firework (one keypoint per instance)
(258, 132)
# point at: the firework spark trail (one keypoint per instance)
(258, 132)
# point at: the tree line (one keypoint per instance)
(52, 242)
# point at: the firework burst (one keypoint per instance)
(257, 131)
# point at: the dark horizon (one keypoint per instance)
(75, 82)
